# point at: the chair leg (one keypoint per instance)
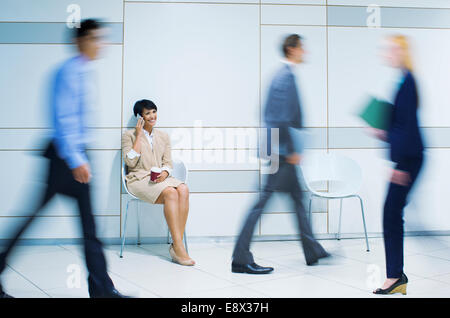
(340, 218)
(138, 225)
(124, 230)
(168, 236)
(364, 223)
(185, 242)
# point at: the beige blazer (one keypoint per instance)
(138, 177)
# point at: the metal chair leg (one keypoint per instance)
(124, 230)
(340, 218)
(168, 236)
(364, 223)
(185, 242)
(138, 225)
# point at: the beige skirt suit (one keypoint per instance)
(138, 176)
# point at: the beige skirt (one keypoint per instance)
(149, 191)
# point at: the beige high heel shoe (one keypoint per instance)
(176, 259)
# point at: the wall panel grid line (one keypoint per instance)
(58, 216)
(384, 6)
(283, 4)
(121, 112)
(259, 96)
(387, 27)
(293, 213)
(191, 2)
(328, 112)
(353, 26)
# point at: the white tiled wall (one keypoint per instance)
(355, 71)
(27, 70)
(193, 59)
(207, 65)
(56, 10)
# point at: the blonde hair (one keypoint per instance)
(403, 42)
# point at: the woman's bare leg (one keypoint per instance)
(169, 197)
(183, 206)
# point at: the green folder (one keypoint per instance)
(377, 113)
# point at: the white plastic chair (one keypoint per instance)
(179, 171)
(344, 175)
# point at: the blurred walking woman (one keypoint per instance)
(144, 148)
(407, 153)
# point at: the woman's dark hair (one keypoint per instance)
(86, 26)
(141, 104)
(291, 41)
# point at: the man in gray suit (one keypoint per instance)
(282, 111)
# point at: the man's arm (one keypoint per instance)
(67, 119)
(279, 113)
(67, 124)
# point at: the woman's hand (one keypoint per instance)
(162, 176)
(294, 158)
(139, 127)
(400, 177)
(82, 174)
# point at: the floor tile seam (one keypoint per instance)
(137, 285)
(432, 256)
(338, 282)
(312, 275)
(27, 279)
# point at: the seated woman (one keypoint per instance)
(144, 148)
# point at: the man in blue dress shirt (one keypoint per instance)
(69, 171)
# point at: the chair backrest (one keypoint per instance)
(331, 167)
(124, 180)
(179, 171)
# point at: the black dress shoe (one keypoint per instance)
(252, 268)
(5, 295)
(112, 294)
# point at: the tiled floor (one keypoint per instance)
(146, 271)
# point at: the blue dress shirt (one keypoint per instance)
(69, 106)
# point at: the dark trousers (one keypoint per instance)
(393, 221)
(60, 180)
(285, 180)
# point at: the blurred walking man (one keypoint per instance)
(69, 172)
(282, 112)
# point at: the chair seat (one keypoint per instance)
(335, 194)
(338, 190)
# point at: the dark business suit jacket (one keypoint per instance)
(404, 134)
(282, 108)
